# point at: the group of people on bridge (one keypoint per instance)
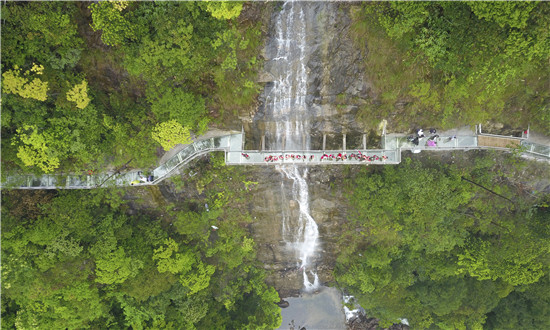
(325, 157)
(358, 156)
(274, 158)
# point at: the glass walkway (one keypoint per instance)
(232, 145)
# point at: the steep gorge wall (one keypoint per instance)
(336, 83)
(335, 90)
(328, 208)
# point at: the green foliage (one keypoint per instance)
(525, 307)
(425, 245)
(172, 61)
(79, 95)
(179, 263)
(36, 149)
(513, 14)
(480, 59)
(115, 267)
(179, 105)
(107, 16)
(13, 83)
(224, 9)
(81, 259)
(170, 133)
(40, 32)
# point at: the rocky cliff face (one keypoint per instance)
(327, 208)
(335, 90)
(336, 85)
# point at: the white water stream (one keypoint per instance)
(286, 107)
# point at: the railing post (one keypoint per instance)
(262, 142)
(344, 142)
(365, 141)
(324, 141)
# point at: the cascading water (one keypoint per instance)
(286, 109)
(304, 234)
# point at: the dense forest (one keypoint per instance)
(81, 259)
(100, 85)
(451, 245)
(74, 99)
(452, 63)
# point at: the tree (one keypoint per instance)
(170, 133)
(107, 16)
(41, 32)
(116, 267)
(36, 149)
(423, 244)
(224, 9)
(182, 106)
(79, 95)
(471, 54)
(178, 263)
(13, 83)
(512, 14)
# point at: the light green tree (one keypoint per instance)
(14, 83)
(116, 267)
(79, 95)
(170, 133)
(35, 150)
(224, 9)
(513, 13)
(169, 260)
(107, 16)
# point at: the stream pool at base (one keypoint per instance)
(322, 310)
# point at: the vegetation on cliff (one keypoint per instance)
(452, 63)
(426, 244)
(89, 258)
(74, 99)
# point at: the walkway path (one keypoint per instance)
(232, 145)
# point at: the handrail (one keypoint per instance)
(235, 155)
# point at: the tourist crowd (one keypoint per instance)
(325, 157)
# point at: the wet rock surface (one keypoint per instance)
(336, 85)
(267, 206)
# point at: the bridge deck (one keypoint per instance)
(313, 157)
(234, 155)
(497, 141)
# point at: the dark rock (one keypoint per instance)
(283, 303)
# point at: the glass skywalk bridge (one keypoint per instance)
(232, 145)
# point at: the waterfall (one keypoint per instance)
(286, 107)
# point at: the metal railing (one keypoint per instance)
(113, 179)
(232, 145)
